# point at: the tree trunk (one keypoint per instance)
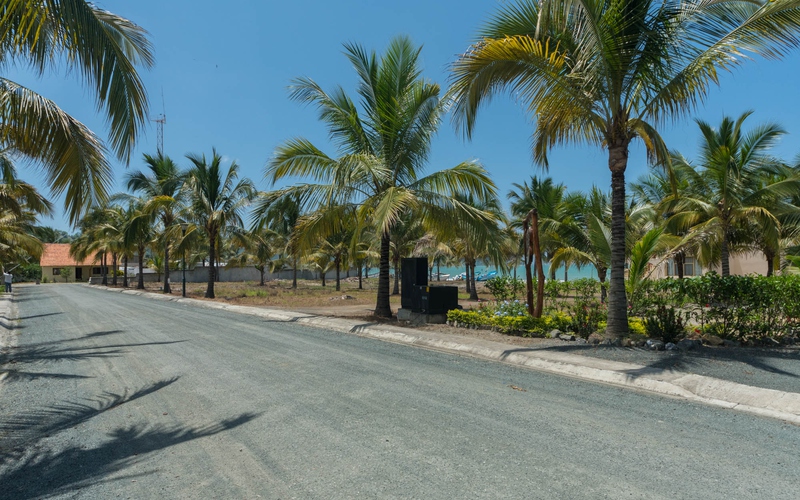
(383, 307)
(527, 259)
(338, 270)
(104, 269)
(125, 272)
(114, 276)
(537, 252)
(725, 254)
(294, 271)
(212, 258)
(770, 255)
(167, 288)
(360, 277)
(322, 277)
(466, 276)
(473, 294)
(566, 277)
(261, 283)
(438, 271)
(617, 300)
(680, 260)
(601, 276)
(396, 290)
(140, 283)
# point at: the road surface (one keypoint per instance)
(110, 395)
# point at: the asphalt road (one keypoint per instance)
(110, 395)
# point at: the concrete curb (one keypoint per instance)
(8, 310)
(707, 390)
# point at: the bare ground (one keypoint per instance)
(350, 302)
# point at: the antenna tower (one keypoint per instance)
(161, 120)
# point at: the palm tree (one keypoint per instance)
(280, 212)
(137, 234)
(217, 201)
(105, 50)
(609, 73)
(162, 190)
(384, 148)
(257, 248)
(731, 189)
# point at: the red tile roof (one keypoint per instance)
(57, 255)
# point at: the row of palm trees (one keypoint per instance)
(605, 73)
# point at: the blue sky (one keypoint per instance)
(224, 68)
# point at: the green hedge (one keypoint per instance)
(739, 307)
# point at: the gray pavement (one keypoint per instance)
(128, 396)
(764, 382)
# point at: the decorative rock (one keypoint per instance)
(669, 346)
(554, 333)
(612, 342)
(580, 340)
(655, 345)
(712, 340)
(770, 342)
(595, 339)
(688, 344)
(731, 343)
(567, 336)
(627, 342)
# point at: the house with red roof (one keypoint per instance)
(56, 257)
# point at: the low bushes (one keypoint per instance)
(743, 308)
(736, 307)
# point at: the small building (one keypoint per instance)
(56, 258)
(741, 264)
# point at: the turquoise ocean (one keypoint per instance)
(573, 272)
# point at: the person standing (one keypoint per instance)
(7, 279)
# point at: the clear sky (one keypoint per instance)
(224, 68)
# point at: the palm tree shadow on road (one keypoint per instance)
(29, 470)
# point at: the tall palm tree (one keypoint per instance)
(608, 73)
(731, 188)
(104, 50)
(384, 148)
(217, 201)
(162, 188)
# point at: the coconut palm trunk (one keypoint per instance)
(528, 260)
(383, 307)
(338, 271)
(537, 252)
(125, 271)
(473, 294)
(396, 262)
(294, 271)
(212, 258)
(167, 288)
(601, 277)
(140, 284)
(770, 256)
(114, 264)
(618, 302)
(104, 269)
(680, 260)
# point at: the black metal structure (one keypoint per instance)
(436, 299)
(413, 273)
